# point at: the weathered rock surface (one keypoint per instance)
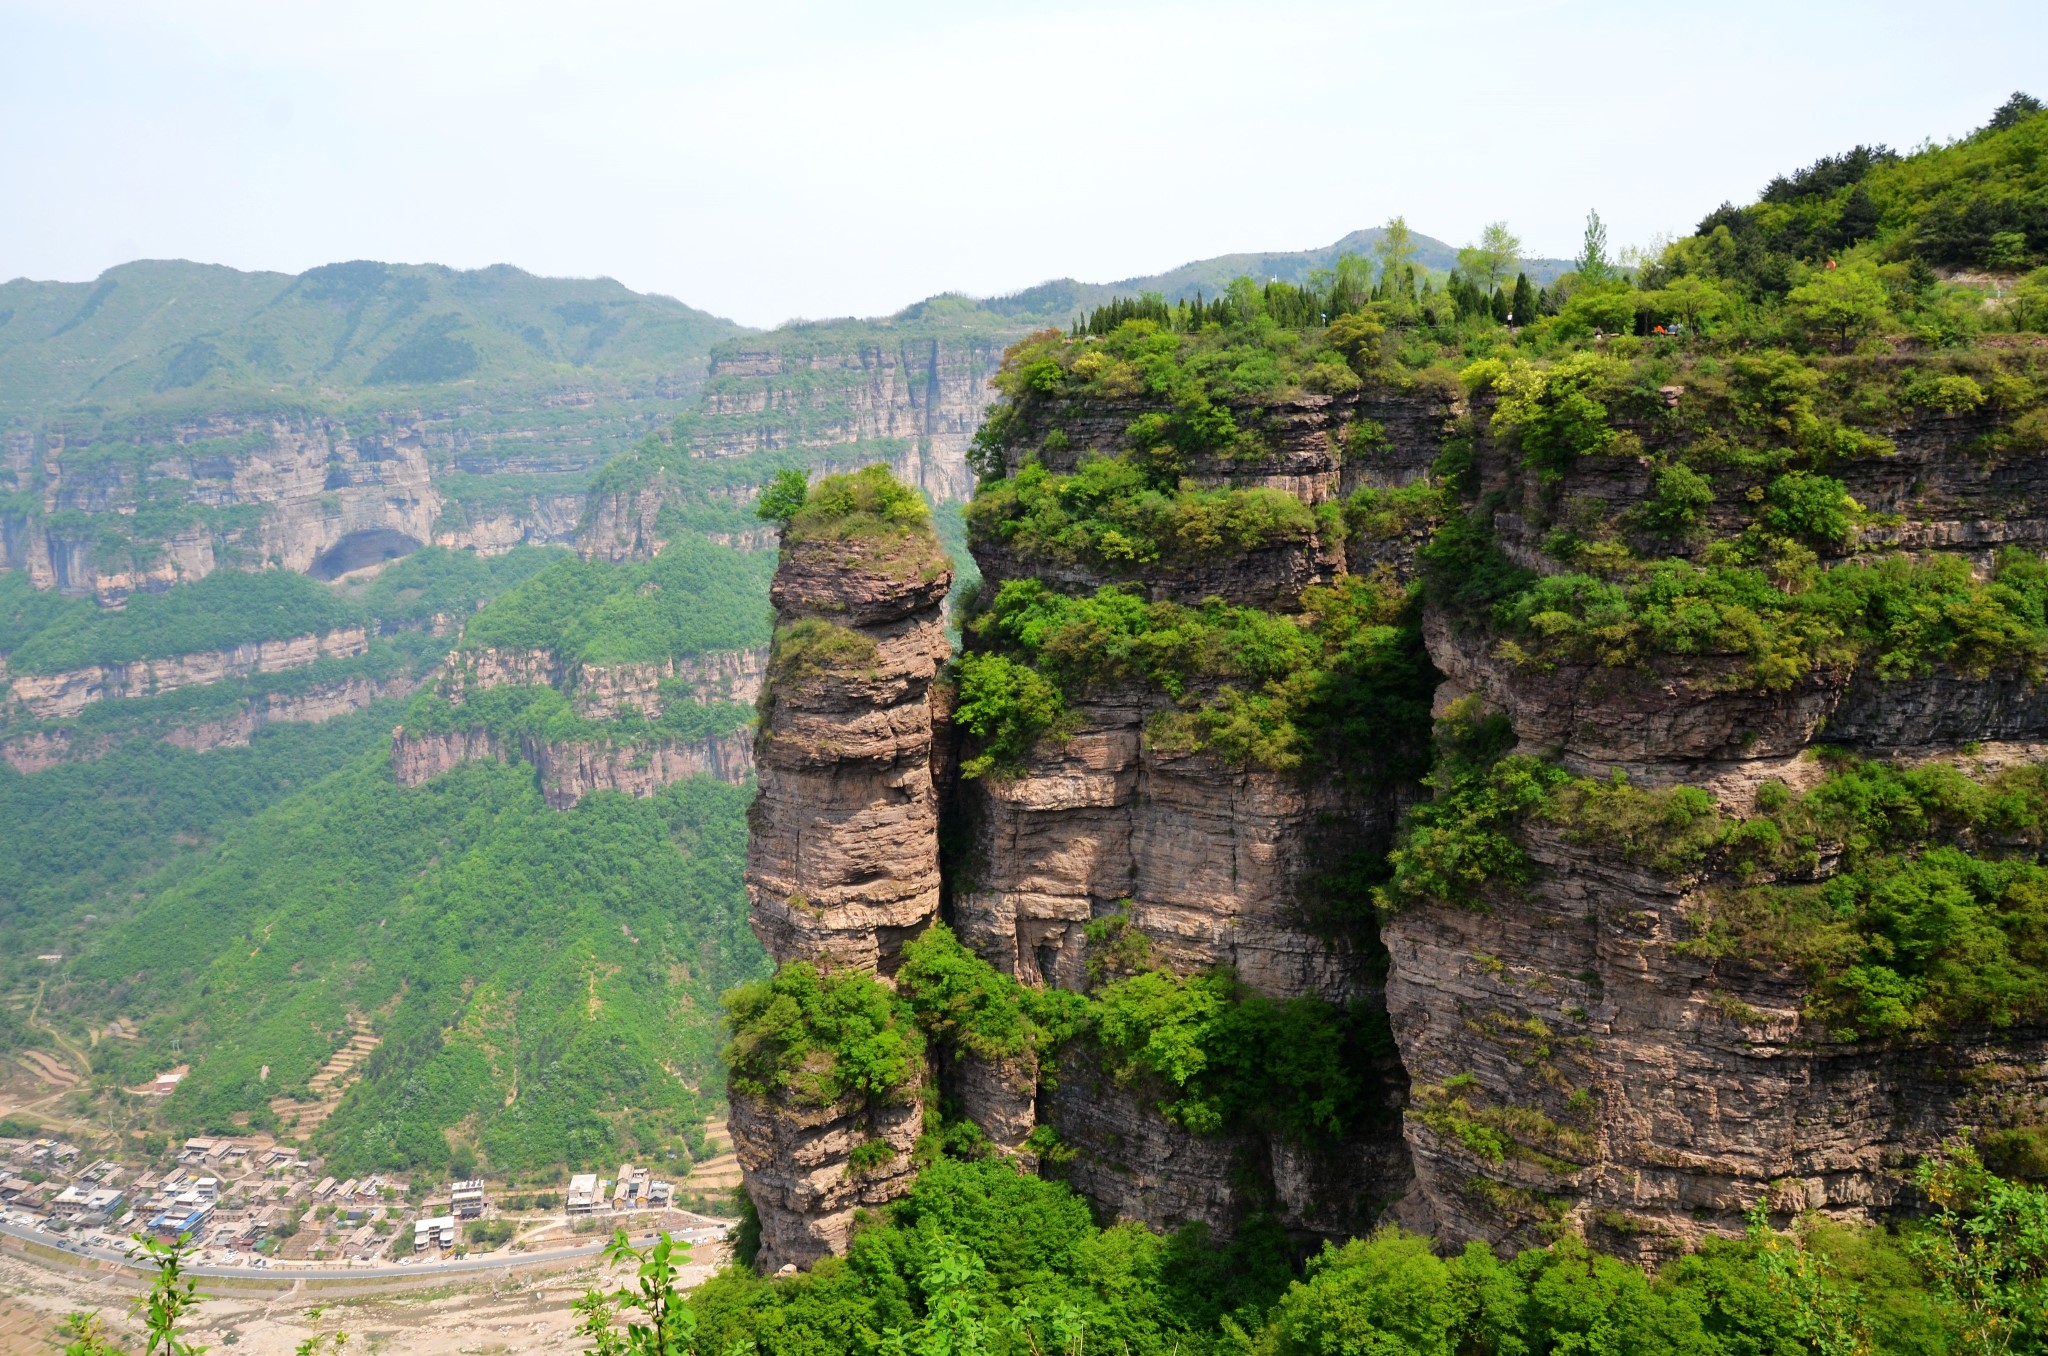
(570, 770)
(1660, 1093)
(604, 691)
(926, 395)
(843, 854)
(794, 1160)
(57, 696)
(1708, 1090)
(329, 499)
(842, 860)
(541, 520)
(1135, 1164)
(1212, 863)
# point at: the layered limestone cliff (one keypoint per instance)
(1585, 1055)
(926, 393)
(639, 761)
(838, 399)
(843, 855)
(38, 750)
(536, 520)
(1213, 862)
(305, 492)
(569, 770)
(58, 696)
(1585, 1039)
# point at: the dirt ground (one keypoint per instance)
(501, 1316)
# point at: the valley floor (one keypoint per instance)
(498, 1316)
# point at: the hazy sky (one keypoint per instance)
(768, 160)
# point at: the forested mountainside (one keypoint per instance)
(259, 877)
(1567, 788)
(198, 337)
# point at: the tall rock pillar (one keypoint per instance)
(843, 849)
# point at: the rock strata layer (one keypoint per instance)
(59, 696)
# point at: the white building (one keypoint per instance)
(438, 1232)
(583, 1194)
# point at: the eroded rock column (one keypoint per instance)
(843, 853)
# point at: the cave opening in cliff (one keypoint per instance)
(361, 549)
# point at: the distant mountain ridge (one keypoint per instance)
(157, 331)
(170, 333)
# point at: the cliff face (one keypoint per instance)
(843, 853)
(569, 770)
(927, 394)
(1662, 1089)
(56, 696)
(1581, 1045)
(639, 762)
(305, 492)
(41, 749)
(1214, 863)
(834, 400)
(1211, 861)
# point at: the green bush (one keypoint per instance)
(1111, 514)
(1463, 841)
(866, 503)
(979, 1258)
(1815, 509)
(821, 1038)
(960, 999)
(1679, 498)
(1006, 706)
(1934, 916)
(783, 497)
(1902, 616)
(1346, 685)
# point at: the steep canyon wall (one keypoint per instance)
(1569, 1049)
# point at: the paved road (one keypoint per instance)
(379, 1271)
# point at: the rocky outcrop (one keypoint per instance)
(1568, 1057)
(843, 854)
(1211, 863)
(794, 1160)
(1136, 1164)
(418, 758)
(630, 759)
(570, 770)
(604, 691)
(325, 702)
(58, 696)
(1319, 449)
(1217, 866)
(1680, 1092)
(842, 858)
(1648, 1091)
(845, 400)
(539, 520)
(926, 395)
(41, 749)
(303, 491)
